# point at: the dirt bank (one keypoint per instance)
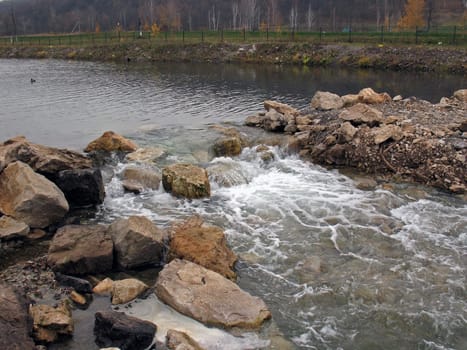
(400, 58)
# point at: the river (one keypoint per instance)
(340, 268)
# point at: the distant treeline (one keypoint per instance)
(20, 17)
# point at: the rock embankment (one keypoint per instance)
(399, 139)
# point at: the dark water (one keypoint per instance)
(73, 102)
(340, 268)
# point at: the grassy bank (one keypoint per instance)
(374, 56)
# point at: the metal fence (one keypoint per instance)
(456, 36)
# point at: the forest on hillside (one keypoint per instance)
(18, 17)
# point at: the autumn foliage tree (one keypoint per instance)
(414, 15)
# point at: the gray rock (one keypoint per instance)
(12, 229)
(362, 114)
(115, 329)
(461, 95)
(30, 197)
(137, 241)
(209, 297)
(326, 101)
(80, 250)
(15, 323)
(137, 179)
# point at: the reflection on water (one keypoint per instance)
(73, 102)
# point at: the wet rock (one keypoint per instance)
(125, 332)
(137, 242)
(204, 245)
(461, 95)
(226, 173)
(186, 180)
(15, 323)
(350, 100)
(369, 96)
(80, 250)
(281, 108)
(12, 229)
(146, 155)
(47, 161)
(78, 284)
(346, 133)
(103, 287)
(209, 297)
(111, 142)
(362, 114)
(30, 197)
(255, 120)
(139, 179)
(397, 98)
(51, 322)
(81, 187)
(228, 147)
(126, 290)
(365, 183)
(177, 340)
(387, 132)
(326, 101)
(274, 121)
(78, 298)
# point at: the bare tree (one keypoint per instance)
(293, 17)
(310, 16)
(235, 14)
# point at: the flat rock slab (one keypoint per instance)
(125, 332)
(81, 249)
(124, 291)
(209, 297)
(30, 197)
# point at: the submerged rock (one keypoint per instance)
(15, 323)
(204, 245)
(51, 322)
(137, 179)
(146, 155)
(125, 332)
(137, 242)
(111, 142)
(186, 180)
(209, 297)
(81, 249)
(228, 146)
(30, 197)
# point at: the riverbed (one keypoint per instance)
(339, 267)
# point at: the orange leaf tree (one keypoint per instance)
(414, 15)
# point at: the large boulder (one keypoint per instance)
(209, 297)
(228, 146)
(137, 241)
(369, 96)
(82, 187)
(461, 95)
(51, 322)
(116, 329)
(204, 245)
(81, 249)
(274, 121)
(186, 180)
(30, 197)
(15, 323)
(124, 291)
(136, 179)
(12, 229)
(47, 161)
(326, 101)
(111, 142)
(362, 114)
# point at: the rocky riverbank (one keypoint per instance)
(399, 58)
(389, 138)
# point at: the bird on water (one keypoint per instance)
(33, 80)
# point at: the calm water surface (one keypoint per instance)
(340, 268)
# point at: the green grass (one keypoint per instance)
(445, 36)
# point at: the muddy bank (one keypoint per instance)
(398, 58)
(394, 139)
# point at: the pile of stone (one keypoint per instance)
(396, 138)
(38, 186)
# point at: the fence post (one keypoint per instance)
(454, 36)
(222, 35)
(416, 35)
(320, 33)
(244, 34)
(267, 34)
(350, 34)
(202, 36)
(382, 34)
(69, 40)
(183, 36)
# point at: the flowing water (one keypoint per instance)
(340, 268)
